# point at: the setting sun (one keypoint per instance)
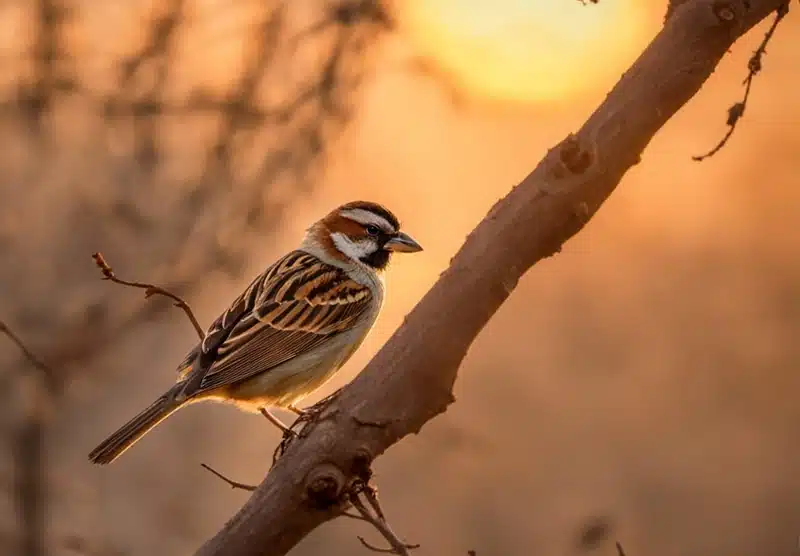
(520, 50)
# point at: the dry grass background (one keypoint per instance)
(647, 375)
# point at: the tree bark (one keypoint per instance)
(410, 380)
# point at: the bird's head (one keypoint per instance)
(364, 232)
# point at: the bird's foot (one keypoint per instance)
(287, 431)
(304, 417)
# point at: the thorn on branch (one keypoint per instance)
(233, 484)
(754, 66)
(149, 291)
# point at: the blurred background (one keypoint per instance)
(641, 386)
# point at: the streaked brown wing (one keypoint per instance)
(298, 304)
(242, 305)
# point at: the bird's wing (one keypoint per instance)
(293, 307)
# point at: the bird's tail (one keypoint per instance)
(127, 435)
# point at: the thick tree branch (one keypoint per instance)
(410, 380)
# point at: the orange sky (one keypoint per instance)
(651, 366)
(520, 50)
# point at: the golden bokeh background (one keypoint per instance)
(646, 376)
(528, 51)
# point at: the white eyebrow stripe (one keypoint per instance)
(367, 217)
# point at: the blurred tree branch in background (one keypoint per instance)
(39, 392)
(410, 380)
(123, 131)
(267, 130)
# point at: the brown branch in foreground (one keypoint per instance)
(149, 290)
(754, 65)
(410, 380)
(373, 515)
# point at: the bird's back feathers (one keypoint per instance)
(296, 305)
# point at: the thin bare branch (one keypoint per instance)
(149, 290)
(374, 515)
(754, 65)
(354, 516)
(233, 484)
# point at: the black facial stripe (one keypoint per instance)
(377, 260)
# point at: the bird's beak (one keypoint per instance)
(402, 243)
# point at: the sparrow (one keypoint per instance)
(293, 327)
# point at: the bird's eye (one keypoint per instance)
(373, 230)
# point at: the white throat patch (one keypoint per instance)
(354, 250)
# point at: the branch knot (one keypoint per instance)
(724, 12)
(574, 157)
(324, 486)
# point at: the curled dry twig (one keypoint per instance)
(149, 290)
(754, 66)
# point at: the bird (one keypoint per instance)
(291, 329)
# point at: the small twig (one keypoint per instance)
(620, 552)
(48, 372)
(378, 520)
(233, 484)
(371, 494)
(149, 290)
(354, 516)
(376, 548)
(754, 66)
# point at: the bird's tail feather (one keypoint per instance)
(127, 435)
